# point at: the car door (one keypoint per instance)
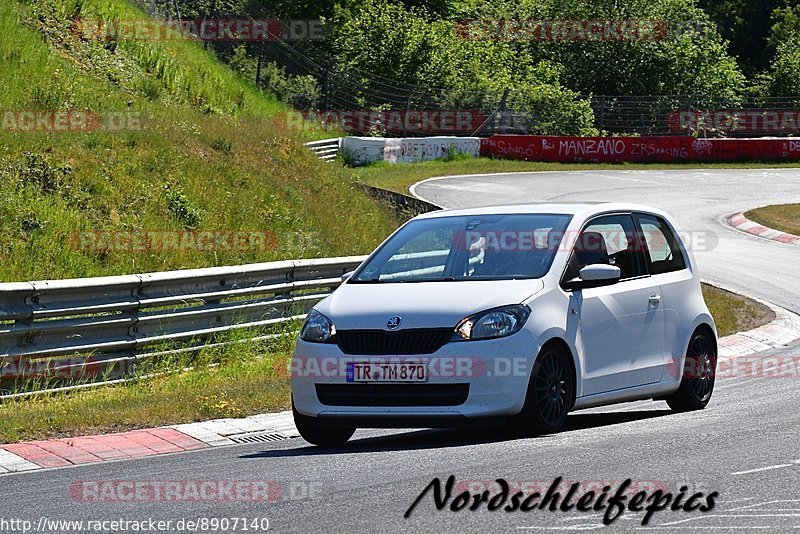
(621, 326)
(667, 264)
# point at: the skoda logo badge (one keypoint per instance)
(393, 322)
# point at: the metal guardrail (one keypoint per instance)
(326, 149)
(102, 327)
(404, 206)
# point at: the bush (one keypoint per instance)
(181, 208)
(387, 39)
(301, 92)
(784, 77)
(298, 92)
(544, 109)
(681, 61)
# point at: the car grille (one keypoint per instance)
(412, 341)
(392, 394)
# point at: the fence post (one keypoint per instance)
(601, 121)
(504, 112)
(408, 110)
(493, 113)
(327, 89)
(258, 65)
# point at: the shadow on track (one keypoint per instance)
(439, 438)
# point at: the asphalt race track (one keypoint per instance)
(745, 445)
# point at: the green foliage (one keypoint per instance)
(784, 78)
(786, 27)
(745, 24)
(181, 208)
(708, 46)
(548, 109)
(546, 78)
(298, 92)
(678, 62)
(387, 39)
(221, 144)
(163, 71)
(230, 167)
(36, 171)
(243, 63)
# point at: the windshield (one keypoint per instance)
(473, 247)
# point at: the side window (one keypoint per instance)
(611, 240)
(663, 253)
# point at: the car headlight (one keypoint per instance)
(317, 328)
(497, 322)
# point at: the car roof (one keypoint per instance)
(581, 209)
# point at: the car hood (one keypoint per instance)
(420, 304)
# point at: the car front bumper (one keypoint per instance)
(496, 373)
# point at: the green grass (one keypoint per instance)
(208, 155)
(399, 178)
(734, 313)
(52, 63)
(233, 381)
(783, 217)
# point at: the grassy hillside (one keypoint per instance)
(183, 145)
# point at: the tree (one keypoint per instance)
(683, 55)
(783, 78)
(745, 24)
(387, 40)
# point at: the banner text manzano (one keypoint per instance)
(613, 505)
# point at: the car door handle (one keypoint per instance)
(655, 299)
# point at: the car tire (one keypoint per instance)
(549, 396)
(697, 379)
(321, 435)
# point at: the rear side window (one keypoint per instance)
(663, 253)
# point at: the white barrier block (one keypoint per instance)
(366, 150)
(415, 149)
(362, 150)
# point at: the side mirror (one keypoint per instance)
(594, 275)
(346, 276)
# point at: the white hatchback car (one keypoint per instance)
(507, 314)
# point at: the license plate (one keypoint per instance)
(387, 372)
